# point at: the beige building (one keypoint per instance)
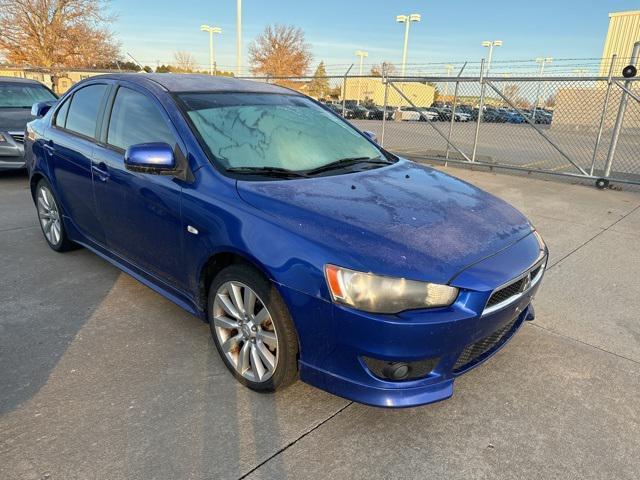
(65, 81)
(624, 31)
(372, 88)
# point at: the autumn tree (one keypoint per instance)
(57, 34)
(184, 62)
(319, 84)
(385, 68)
(280, 51)
(550, 102)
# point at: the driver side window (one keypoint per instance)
(135, 119)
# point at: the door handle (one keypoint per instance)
(100, 171)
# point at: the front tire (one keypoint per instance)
(252, 329)
(50, 218)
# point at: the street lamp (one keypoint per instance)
(238, 37)
(406, 19)
(211, 30)
(449, 68)
(490, 44)
(362, 54)
(542, 61)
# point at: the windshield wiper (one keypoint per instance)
(267, 171)
(347, 162)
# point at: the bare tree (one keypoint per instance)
(550, 102)
(57, 34)
(184, 62)
(386, 68)
(511, 90)
(280, 51)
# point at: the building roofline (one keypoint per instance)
(624, 14)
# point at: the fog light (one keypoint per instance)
(398, 371)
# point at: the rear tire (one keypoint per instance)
(50, 218)
(252, 329)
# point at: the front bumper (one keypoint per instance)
(11, 153)
(335, 341)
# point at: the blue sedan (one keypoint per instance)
(311, 251)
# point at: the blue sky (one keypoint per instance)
(449, 31)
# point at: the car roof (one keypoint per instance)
(191, 82)
(19, 80)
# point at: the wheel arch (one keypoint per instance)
(214, 265)
(33, 183)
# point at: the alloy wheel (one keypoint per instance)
(49, 216)
(245, 331)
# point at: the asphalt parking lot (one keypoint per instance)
(101, 378)
(511, 144)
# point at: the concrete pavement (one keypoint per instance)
(102, 378)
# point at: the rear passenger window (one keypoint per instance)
(83, 111)
(61, 114)
(135, 119)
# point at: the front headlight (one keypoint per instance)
(3, 139)
(374, 293)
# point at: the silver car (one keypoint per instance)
(17, 96)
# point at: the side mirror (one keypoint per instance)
(40, 109)
(157, 158)
(372, 136)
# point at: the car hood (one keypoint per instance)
(14, 119)
(403, 220)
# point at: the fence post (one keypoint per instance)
(603, 115)
(480, 111)
(453, 112)
(344, 89)
(385, 79)
(620, 117)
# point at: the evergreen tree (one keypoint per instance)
(319, 85)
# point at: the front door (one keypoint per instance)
(140, 212)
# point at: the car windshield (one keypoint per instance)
(15, 95)
(257, 130)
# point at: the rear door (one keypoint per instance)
(70, 145)
(140, 212)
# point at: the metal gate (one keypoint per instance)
(586, 127)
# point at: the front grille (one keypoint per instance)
(517, 287)
(507, 292)
(482, 347)
(17, 136)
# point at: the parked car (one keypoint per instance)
(335, 107)
(377, 113)
(427, 113)
(494, 116)
(360, 112)
(406, 114)
(541, 116)
(445, 115)
(17, 95)
(310, 250)
(514, 117)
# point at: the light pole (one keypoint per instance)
(362, 54)
(212, 59)
(406, 19)
(239, 38)
(449, 68)
(490, 44)
(542, 61)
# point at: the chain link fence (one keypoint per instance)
(554, 125)
(560, 124)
